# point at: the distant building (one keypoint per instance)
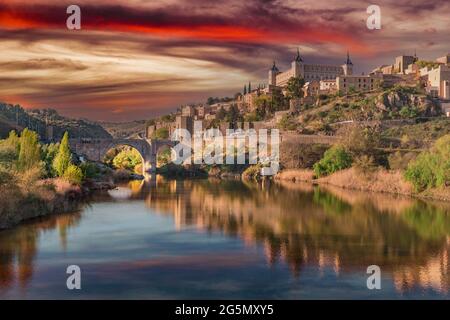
(358, 83)
(402, 63)
(327, 86)
(309, 72)
(444, 60)
(311, 88)
(437, 81)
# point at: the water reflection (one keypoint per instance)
(297, 224)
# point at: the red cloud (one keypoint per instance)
(164, 24)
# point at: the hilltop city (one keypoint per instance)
(304, 85)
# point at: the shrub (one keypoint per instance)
(252, 172)
(399, 160)
(294, 155)
(431, 168)
(90, 170)
(161, 133)
(127, 159)
(335, 159)
(73, 174)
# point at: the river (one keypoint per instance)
(213, 239)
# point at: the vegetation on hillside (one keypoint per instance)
(14, 116)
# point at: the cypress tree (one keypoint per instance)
(63, 158)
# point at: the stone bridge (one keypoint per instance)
(96, 149)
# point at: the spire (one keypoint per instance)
(298, 58)
(349, 62)
(274, 67)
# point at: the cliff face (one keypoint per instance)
(395, 101)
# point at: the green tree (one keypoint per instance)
(294, 87)
(29, 151)
(63, 158)
(334, 159)
(127, 159)
(233, 114)
(161, 133)
(73, 174)
(431, 168)
(48, 154)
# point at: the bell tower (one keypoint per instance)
(348, 66)
(297, 65)
(273, 75)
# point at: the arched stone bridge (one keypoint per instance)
(96, 149)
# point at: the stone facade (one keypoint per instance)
(309, 72)
(96, 149)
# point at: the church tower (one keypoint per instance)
(273, 75)
(348, 66)
(297, 65)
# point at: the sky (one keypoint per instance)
(138, 59)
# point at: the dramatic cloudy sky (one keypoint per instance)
(136, 59)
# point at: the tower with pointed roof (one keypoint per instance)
(348, 66)
(297, 65)
(273, 74)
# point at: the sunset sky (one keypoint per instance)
(137, 59)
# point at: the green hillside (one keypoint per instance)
(16, 117)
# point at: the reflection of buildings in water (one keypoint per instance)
(312, 227)
(18, 247)
(433, 274)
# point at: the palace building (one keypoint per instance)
(309, 72)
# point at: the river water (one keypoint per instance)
(212, 239)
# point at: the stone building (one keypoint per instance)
(309, 72)
(358, 83)
(438, 81)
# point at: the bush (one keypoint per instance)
(90, 170)
(294, 155)
(335, 159)
(127, 159)
(73, 174)
(365, 164)
(161, 133)
(252, 172)
(431, 168)
(400, 161)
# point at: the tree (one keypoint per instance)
(161, 133)
(233, 114)
(221, 113)
(127, 159)
(63, 158)
(294, 87)
(334, 159)
(29, 150)
(48, 154)
(431, 168)
(73, 174)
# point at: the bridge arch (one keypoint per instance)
(95, 149)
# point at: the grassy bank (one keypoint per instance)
(27, 199)
(380, 180)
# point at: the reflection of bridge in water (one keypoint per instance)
(96, 149)
(297, 224)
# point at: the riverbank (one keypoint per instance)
(46, 197)
(377, 181)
